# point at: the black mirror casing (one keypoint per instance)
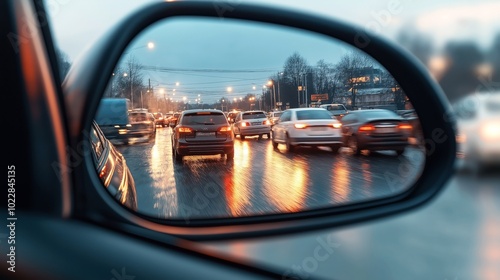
(89, 76)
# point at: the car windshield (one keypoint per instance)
(210, 118)
(335, 107)
(138, 117)
(379, 114)
(277, 115)
(313, 115)
(254, 115)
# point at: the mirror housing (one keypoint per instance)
(89, 76)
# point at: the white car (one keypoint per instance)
(478, 137)
(251, 123)
(307, 127)
(274, 116)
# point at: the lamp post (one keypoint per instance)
(150, 45)
(279, 93)
(131, 89)
(273, 96)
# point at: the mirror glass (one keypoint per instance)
(219, 118)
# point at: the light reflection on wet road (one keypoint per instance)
(260, 179)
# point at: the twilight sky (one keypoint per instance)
(77, 23)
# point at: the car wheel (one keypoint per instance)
(335, 148)
(289, 146)
(268, 135)
(275, 144)
(162, 125)
(177, 157)
(400, 151)
(230, 155)
(242, 137)
(354, 145)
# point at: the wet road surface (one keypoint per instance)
(260, 179)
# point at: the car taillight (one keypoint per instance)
(300, 125)
(245, 124)
(367, 128)
(185, 130)
(267, 122)
(337, 125)
(405, 126)
(225, 129)
(107, 171)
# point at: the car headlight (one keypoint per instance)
(490, 131)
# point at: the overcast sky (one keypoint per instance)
(77, 23)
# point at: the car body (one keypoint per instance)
(160, 118)
(478, 131)
(143, 124)
(337, 110)
(113, 118)
(411, 117)
(274, 116)
(172, 121)
(202, 132)
(251, 123)
(231, 116)
(112, 169)
(375, 129)
(307, 127)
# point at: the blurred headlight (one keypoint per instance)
(122, 131)
(490, 131)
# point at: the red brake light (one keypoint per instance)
(185, 130)
(225, 129)
(266, 122)
(367, 128)
(405, 126)
(300, 125)
(337, 125)
(106, 171)
(245, 124)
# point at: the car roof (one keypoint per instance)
(305, 109)
(201, 110)
(369, 110)
(254, 111)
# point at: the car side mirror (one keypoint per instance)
(436, 154)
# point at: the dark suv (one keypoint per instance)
(202, 132)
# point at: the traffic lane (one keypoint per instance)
(260, 179)
(455, 236)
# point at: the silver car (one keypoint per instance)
(307, 127)
(252, 123)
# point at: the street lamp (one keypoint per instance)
(271, 83)
(150, 45)
(131, 90)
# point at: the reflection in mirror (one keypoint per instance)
(345, 132)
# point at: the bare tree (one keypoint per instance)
(324, 77)
(130, 81)
(420, 45)
(348, 71)
(294, 74)
(295, 66)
